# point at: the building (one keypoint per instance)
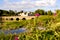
(23, 14)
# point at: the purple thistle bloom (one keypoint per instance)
(16, 38)
(37, 14)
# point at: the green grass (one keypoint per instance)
(51, 23)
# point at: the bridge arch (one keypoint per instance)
(23, 18)
(17, 19)
(11, 18)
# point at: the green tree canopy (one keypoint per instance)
(58, 12)
(49, 12)
(12, 13)
(40, 11)
(3, 12)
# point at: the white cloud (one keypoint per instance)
(25, 4)
(46, 2)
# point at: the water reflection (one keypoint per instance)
(17, 31)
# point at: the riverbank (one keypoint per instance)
(40, 28)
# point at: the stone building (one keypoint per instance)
(23, 14)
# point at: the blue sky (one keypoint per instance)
(29, 5)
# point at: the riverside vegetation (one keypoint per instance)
(50, 25)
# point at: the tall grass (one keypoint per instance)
(50, 23)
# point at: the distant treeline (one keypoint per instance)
(14, 13)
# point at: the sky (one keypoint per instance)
(29, 5)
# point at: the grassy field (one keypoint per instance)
(50, 23)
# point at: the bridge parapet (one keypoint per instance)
(15, 18)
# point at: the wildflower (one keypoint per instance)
(16, 37)
(54, 14)
(37, 14)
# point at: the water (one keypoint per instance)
(20, 30)
(17, 31)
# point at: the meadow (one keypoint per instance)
(50, 25)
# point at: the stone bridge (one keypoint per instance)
(16, 18)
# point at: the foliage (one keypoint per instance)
(7, 13)
(50, 12)
(14, 13)
(51, 24)
(40, 11)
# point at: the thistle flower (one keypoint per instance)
(16, 37)
(37, 14)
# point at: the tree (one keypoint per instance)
(12, 13)
(45, 13)
(7, 13)
(19, 12)
(3, 13)
(58, 12)
(50, 12)
(0, 12)
(41, 12)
